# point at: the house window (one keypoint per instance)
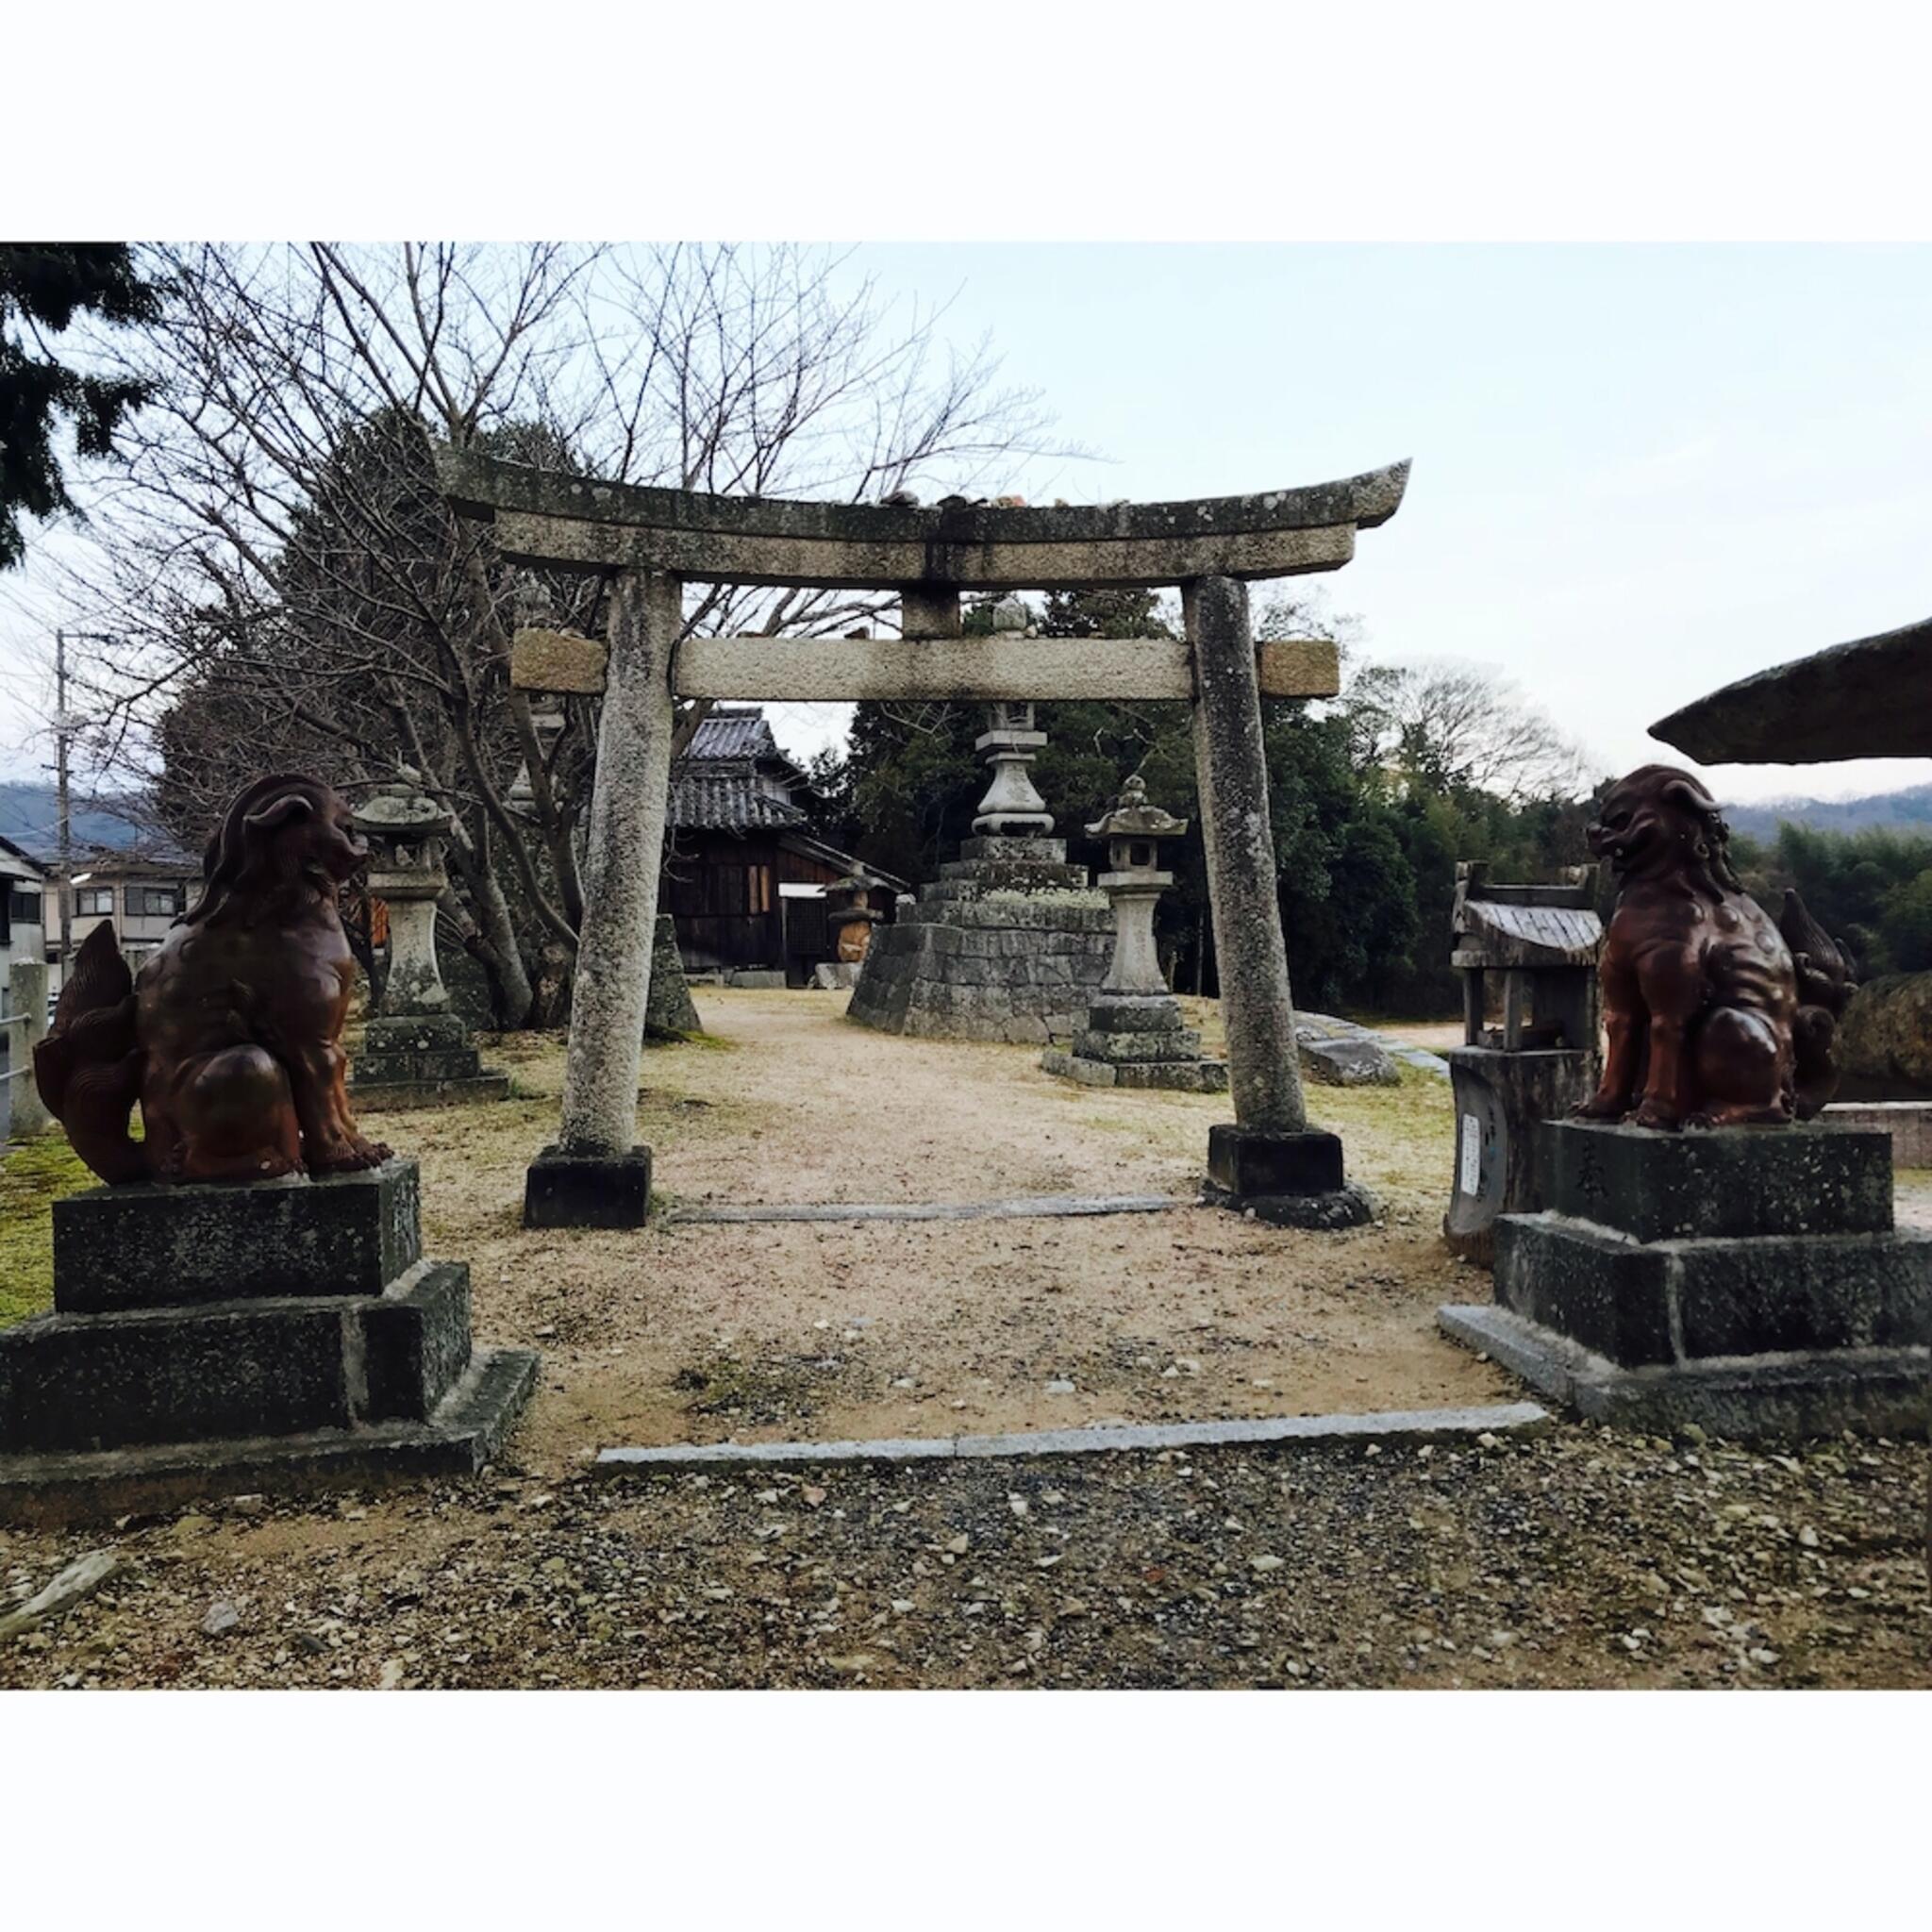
(153, 902)
(93, 902)
(23, 904)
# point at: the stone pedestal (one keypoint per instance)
(1293, 1179)
(1749, 1280)
(1500, 1099)
(1137, 1039)
(287, 1337)
(565, 1190)
(420, 1060)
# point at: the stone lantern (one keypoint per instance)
(1135, 1034)
(407, 829)
(418, 1053)
(849, 918)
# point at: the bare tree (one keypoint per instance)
(285, 583)
(1453, 727)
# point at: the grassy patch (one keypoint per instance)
(33, 1175)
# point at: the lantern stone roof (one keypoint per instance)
(1132, 817)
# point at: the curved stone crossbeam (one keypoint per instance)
(548, 518)
(1868, 699)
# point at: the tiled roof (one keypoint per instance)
(735, 732)
(727, 795)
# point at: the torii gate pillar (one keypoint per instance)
(596, 1175)
(1270, 1160)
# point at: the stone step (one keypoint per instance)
(270, 1366)
(377, 1069)
(1649, 1304)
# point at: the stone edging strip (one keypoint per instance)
(1017, 1208)
(1396, 1426)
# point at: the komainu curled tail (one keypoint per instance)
(1827, 977)
(88, 1068)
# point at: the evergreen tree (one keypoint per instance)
(43, 286)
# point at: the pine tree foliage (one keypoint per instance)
(43, 287)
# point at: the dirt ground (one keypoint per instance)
(700, 1332)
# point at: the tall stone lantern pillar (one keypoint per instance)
(1135, 1034)
(418, 1053)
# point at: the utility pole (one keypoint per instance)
(63, 732)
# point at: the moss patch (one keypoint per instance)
(34, 1174)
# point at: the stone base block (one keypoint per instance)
(1874, 1392)
(439, 1063)
(764, 978)
(415, 1033)
(1243, 1161)
(267, 1366)
(1294, 1180)
(1736, 1182)
(465, 1430)
(1175, 1076)
(394, 1096)
(588, 1189)
(1180, 1044)
(1640, 1303)
(154, 1246)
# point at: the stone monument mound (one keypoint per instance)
(1011, 942)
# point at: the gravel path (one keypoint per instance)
(1577, 1558)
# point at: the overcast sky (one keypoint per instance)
(1639, 472)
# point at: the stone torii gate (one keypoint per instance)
(650, 540)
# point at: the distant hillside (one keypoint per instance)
(29, 815)
(1909, 811)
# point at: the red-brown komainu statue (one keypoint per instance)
(1715, 1016)
(231, 1039)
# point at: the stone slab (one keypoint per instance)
(1018, 1208)
(1873, 1391)
(1391, 1426)
(1737, 1181)
(588, 1189)
(1349, 1062)
(467, 1430)
(398, 1096)
(152, 1246)
(1327, 1210)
